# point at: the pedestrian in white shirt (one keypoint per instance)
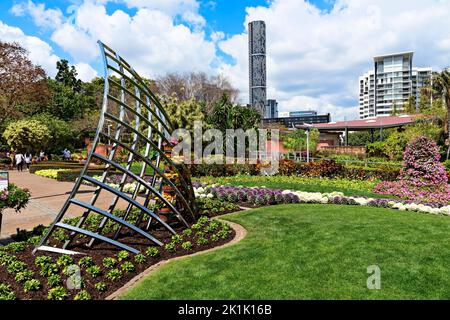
(20, 159)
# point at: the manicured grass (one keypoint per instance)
(315, 252)
(348, 187)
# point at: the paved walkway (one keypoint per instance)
(47, 198)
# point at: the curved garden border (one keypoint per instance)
(240, 231)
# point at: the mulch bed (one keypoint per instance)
(99, 251)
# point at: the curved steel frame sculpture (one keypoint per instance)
(145, 123)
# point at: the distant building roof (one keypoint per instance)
(366, 124)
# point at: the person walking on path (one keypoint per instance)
(20, 159)
(28, 160)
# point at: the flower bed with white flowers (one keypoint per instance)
(257, 197)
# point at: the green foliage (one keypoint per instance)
(297, 140)
(226, 115)
(6, 292)
(128, 267)
(177, 238)
(32, 285)
(109, 262)
(140, 258)
(202, 241)
(16, 199)
(64, 261)
(186, 245)
(54, 280)
(123, 255)
(114, 275)
(16, 266)
(61, 132)
(41, 261)
(183, 114)
(187, 232)
(27, 135)
(101, 286)
(16, 247)
(65, 103)
(67, 75)
(86, 262)
(170, 247)
(24, 276)
(83, 295)
(152, 252)
(48, 270)
(94, 271)
(58, 293)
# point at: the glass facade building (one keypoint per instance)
(386, 89)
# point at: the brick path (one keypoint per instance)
(47, 198)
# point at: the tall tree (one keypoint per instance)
(441, 87)
(23, 89)
(67, 75)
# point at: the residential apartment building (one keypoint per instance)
(385, 90)
(271, 109)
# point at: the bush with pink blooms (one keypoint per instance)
(423, 177)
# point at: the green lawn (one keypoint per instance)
(315, 252)
(348, 187)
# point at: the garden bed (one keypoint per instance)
(204, 235)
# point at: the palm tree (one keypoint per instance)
(441, 86)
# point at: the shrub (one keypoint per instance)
(140, 258)
(48, 270)
(187, 245)
(16, 267)
(114, 275)
(64, 261)
(128, 267)
(423, 178)
(122, 255)
(202, 241)
(109, 262)
(42, 260)
(83, 295)
(6, 292)
(54, 280)
(177, 238)
(58, 293)
(24, 276)
(86, 262)
(152, 252)
(94, 271)
(170, 247)
(101, 286)
(288, 167)
(32, 285)
(324, 169)
(16, 247)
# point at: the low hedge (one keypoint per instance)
(72, 175)
(54, 165)
(223, 170)
(363, 173)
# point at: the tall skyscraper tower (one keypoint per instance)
(257, 65)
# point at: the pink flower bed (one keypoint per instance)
(423, 177)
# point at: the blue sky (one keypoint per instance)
(317, 49)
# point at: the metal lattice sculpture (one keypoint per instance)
(140, 134)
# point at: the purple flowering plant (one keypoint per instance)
(423, 177)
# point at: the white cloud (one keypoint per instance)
(187, 9)
(40, 52)
(42, 17)
(319, 56)
(150, 39)
(85, 72)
